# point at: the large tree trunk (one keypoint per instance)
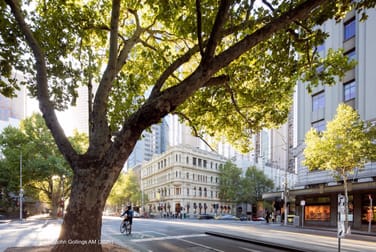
(81, 228)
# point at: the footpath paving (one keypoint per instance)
(300, 239)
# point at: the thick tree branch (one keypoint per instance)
(45, 105)
(199, 27)
(161, 103)
(216, 81)
(300, 12)
(169, 71)
(216, 34)
(101, 132)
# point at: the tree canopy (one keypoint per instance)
(254, 184)
(226, 67)
(346, 144)
(229, 182)
(33, 145)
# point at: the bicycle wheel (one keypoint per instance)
(123, 226)
(128, 228)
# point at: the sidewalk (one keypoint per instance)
(297, 238)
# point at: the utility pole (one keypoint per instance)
(285, 198)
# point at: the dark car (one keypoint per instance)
(205, 217)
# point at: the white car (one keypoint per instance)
(136, 214)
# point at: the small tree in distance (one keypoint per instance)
(254, 184)
(347, 143)
(229, 182)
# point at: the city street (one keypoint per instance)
(191, 235)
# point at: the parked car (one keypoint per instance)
(205, 217)
(255, 218)
(136, 214)
(226, 217)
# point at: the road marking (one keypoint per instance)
(248, 249)
(170, 237)
(201, 245)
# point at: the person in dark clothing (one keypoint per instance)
(267, 216)
(128, 213)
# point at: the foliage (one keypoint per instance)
(126, 191)
(254, 184)
(347, 143)
(258, 85)
(227, 67)
(229, 182)
(41, 160)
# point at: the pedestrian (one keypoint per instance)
(267, 216)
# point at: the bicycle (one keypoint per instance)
(125, 226)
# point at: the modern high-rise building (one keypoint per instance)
(12, 111)
(315, 194)
(152, 143)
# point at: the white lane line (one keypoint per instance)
(248, 249)
(169, 237)
(202, 245)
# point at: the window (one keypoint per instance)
(349, 91)
(318, 101)
(349, 30)
(351, 55)
(194, 161)
(319, 125)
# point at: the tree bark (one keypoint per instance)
(346, 204)
(81, 228)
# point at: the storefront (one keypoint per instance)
(320, 206)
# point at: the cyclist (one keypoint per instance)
(128, 213)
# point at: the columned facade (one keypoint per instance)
(183, 181)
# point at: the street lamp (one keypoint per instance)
(21, 189)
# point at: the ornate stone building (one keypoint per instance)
(183, 180)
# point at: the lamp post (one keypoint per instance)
(21, 189)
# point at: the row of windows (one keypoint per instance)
(349, 88)
(195, 192)
(178, 175)
(194, 161)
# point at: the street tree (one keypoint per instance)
(44, 169)
(229, 182)
(227, 67)
(254, 184)
(346, 144)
